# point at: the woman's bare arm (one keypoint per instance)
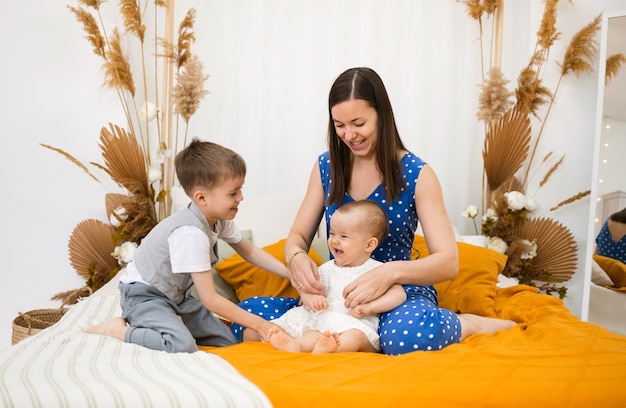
(441, 265)
(303, 270)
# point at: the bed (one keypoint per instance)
(607, 295)
(550, 358)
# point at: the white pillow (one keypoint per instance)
(598, 276)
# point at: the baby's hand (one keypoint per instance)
(316, 302)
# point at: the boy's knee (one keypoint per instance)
(182, 346)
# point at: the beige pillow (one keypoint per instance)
(598, 276)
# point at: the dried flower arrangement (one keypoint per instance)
(541, 251)
(139, 158)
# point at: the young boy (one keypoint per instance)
(324, 324)
(157, 311)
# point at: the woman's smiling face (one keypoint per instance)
(356, 124)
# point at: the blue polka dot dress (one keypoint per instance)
(608, 247)
(419, 324)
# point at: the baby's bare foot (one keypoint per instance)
(328, 343)
(115, 328)
(360, 311)
(281, 340)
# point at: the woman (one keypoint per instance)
(611, 240)
(367, 160)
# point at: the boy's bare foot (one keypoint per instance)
(115, 328)
(328, 343)
(281, 340)
(474, 324)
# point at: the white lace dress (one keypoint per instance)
(337, 317)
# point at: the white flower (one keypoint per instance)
(530, 204)
(117, 216)
(497, 244)
(148, 110)
(470, 212)
(532, 252)
(154, 174)
(515, 200)
(490, 214)
(159, 156)
(125, 252)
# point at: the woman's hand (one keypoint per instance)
(304, 274)
(369, 286)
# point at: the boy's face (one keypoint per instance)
(349, 239)
(221, 201)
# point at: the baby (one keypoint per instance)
(323, 324)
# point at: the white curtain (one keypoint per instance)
(271, 64)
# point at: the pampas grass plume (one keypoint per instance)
(476, 8)
(582, 49)
(548, 34)
(71, 158)
(571, 199)
(132, 18)
(530, 93)
(551, 171)
(189, 90)
(613, 66)
(494, 99)
(90, 27)
(117, 68)
(185, 38)
(95, 4)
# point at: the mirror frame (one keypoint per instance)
(593, 200)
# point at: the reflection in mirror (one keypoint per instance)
(607, 307)
(612, 163)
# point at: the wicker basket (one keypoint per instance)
(34, 321)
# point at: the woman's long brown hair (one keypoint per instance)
(365, 84)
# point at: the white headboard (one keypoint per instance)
(269, 217)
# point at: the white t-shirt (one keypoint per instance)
(190, 250)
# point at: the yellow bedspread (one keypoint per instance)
(550, 358)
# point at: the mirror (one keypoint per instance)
(605, 306)
(611, 178)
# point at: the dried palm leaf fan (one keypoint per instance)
(125, 163)
(90, 248)
(557, 253)
(124, 160)
(506, 147)
(112, 202)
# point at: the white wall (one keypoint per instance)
(270, 63)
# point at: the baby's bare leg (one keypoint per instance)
(355, 340)
(328, 343)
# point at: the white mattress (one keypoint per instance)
(64, 367)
